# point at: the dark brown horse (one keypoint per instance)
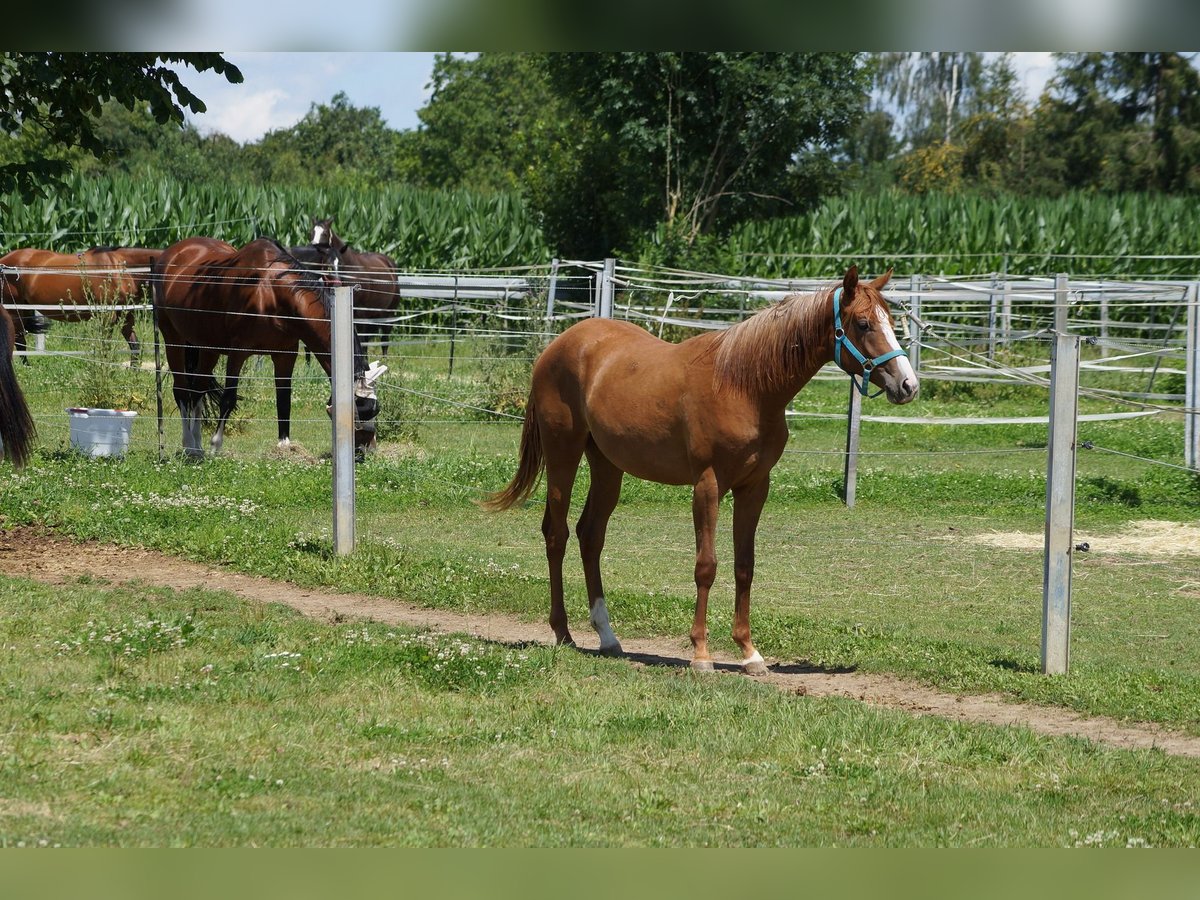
(16, 424)
(378, 292)
(709, 412)
(212, 299)
(99, 276)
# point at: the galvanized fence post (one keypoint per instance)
(1060, 492)
(604, 290)
(553, 289)
(853, 427)
(342, 365)
(1191, 434)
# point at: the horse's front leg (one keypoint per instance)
(131, 338)
(747, 507)
(285, 364)
(705, 498)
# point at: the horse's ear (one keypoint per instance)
(882, 280)
(850, 282)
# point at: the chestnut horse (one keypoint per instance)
(709, 412)
(378, 292)
(212, 299)
(99, 276)
(16, 424)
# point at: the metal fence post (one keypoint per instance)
(1191, 434)
(604, 292)
(914, 337)
(853, 427)
(992, 319)
(342, 365)
(1060, 493)
(553, 289)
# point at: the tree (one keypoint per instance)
(59, 96)
(694, 141)
(489, 120)
(994, 139)
(932, 91)
(1121, 122)
(337, 143)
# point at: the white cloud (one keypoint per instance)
(247, 116)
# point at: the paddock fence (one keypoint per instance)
(459, 344)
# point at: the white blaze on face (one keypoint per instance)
(885, 327)
(318, 234)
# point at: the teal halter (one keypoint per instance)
(840, 340)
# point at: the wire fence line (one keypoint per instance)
(985, 329)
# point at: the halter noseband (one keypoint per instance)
(840, 340)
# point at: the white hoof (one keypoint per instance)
(754, 665)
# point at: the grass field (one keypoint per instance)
(227, 724)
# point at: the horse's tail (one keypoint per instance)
(16, 424)
(528, 469)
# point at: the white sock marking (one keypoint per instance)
(599, 619)
(755, 658)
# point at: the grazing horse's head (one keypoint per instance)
(865, 338)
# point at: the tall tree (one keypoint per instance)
(1122, 121)
(696, 141)
(60, 95)
(335, 143)
(490, 117)
(932, 92)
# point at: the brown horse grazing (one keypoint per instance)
(16, 424)
(212, 299)
(97, 276)
(378, 292)
(709, 412)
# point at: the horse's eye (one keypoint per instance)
(863, 325)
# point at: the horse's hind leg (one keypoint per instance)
(229, 399)
(593, 525)
(706, 497)
(562, 454)
(747, 507)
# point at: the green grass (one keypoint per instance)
(139, 716)
(152, 747)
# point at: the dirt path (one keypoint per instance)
(40, 556)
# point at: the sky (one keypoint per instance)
(281, 87)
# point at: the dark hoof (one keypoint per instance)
(702, 665)
(612, 650)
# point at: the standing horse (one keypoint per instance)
(97, 276)
(212, 299)
(16, 424)
(378, 292)
(709, 412)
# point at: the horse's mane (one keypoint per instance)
(769, 349)
(299, 277)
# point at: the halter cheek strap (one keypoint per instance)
(840, 340)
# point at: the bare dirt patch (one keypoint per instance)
(1146, 537)
(44, 557)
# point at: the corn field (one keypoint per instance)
(1128, 235)
(419, 229)
(960, 235)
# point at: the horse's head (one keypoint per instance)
(865, 338)
(323, 236)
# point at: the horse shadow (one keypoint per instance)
(799, 667)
